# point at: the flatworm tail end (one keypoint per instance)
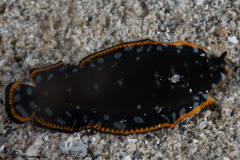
(19, 103)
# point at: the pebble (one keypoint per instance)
(137, 154)
(202, 125)
(132, 140)
(3, 6)
(85, 139)
(34, 149)
(127, 157)
(2, 147)
(46, 138)
(3, 140)
(32, 2)
(73, 145)
(2, 62)
(232, 24)
(193, 149)
(2, 24)
(76, 21)
(132, 148)
(99, 148)
(102, 142)
(206, 113)
(233, 39)
(47, 36)
(19, 137)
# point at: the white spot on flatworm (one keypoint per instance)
(195, 50)
(182, 112)
(118, 55)
(29, 91)
(92, 65)
(139, 106)
(159, 48)
(106, 117)
(165, 118)
(179, 46)
(50, 76)
(128, 48)
(38, 79)
(17, 98)
(48, 111)
(100, 60)
(138, 119)
(190, 90)
(214, 85)
(74, 70)
(20, 109)
(61, 121)
(96, 87)
(223, 76)
(149, 48)
(140, 49)
(99, 123)
(174, 116)
(120, 125)
(68, 114)
(32, 105)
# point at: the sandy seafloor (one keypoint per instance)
(39, 33)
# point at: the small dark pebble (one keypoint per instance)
(3, 140)
(232, 114)
(148, 137)
(190, 141)
(2, 8)
(13, 154)
(91, 132)
(182, 126)
(137, 154)
(235, 136)
(94, 157)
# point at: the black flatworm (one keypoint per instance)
(130, 88)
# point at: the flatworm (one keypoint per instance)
(129, 88)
